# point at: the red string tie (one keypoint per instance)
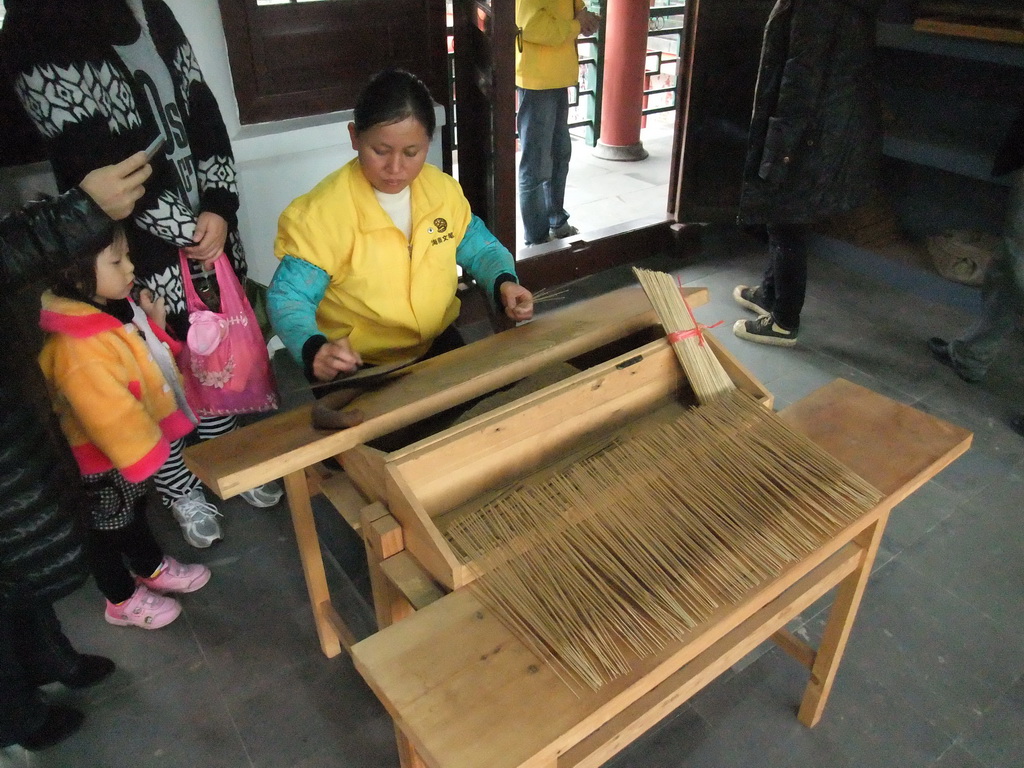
(697, 330)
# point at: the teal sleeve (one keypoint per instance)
(295, 292)
(484, 257)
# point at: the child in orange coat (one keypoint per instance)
(118, 396)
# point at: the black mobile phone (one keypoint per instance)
(152, 149)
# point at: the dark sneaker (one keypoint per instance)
(764, 330)
(60, 723)
(86, 670)
(751, 298)
(940, 351)
(566, 230)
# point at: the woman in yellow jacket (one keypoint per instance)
(368, 256)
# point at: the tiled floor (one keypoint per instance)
(933, 675)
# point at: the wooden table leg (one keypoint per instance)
(383, 538)
(301, 508)
(839, 626)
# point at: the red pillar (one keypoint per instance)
(625, 53)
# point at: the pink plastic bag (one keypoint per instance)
(224, 360)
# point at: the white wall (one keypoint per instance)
(276, 162)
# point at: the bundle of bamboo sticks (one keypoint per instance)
(704, 371)
(629, 548)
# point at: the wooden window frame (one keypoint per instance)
(332, 48)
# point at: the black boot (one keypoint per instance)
(60, 723)
(48, 655)
(89, 670)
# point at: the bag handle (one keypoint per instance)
(192, 301)
(227, 282)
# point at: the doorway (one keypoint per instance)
(621, 208)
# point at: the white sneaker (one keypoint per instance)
(263, 496)
(197, 518)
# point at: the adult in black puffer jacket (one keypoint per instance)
(41, 547)
(814, 148)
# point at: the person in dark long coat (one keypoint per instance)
(41, 539)
(814, 147)
(973, 352)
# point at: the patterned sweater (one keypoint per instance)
(94, 81)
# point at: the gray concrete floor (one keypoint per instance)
(933, 675)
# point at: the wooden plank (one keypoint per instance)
(894, 447)
(383, 539)
(963, 27)
(278, 445)
(839, 626)
(408, 577)
(628, 725)
(449, 468)
(364, 466)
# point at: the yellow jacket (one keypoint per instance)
(115, 407)
(390, 296)
(548, 30)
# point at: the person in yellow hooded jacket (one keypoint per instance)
(546, 65)
(368, 257)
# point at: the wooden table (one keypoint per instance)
(465, 693)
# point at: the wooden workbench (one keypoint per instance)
(466, 693)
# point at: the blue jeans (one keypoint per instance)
(543, 123)
(1002, 295)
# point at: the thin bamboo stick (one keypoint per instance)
(633, 546)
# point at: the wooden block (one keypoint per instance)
(409, 578)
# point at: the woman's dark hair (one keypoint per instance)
(78, 279)
(391, 96)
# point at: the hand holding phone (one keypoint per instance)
(153, 148)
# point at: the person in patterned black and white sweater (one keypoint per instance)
(102, 78)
